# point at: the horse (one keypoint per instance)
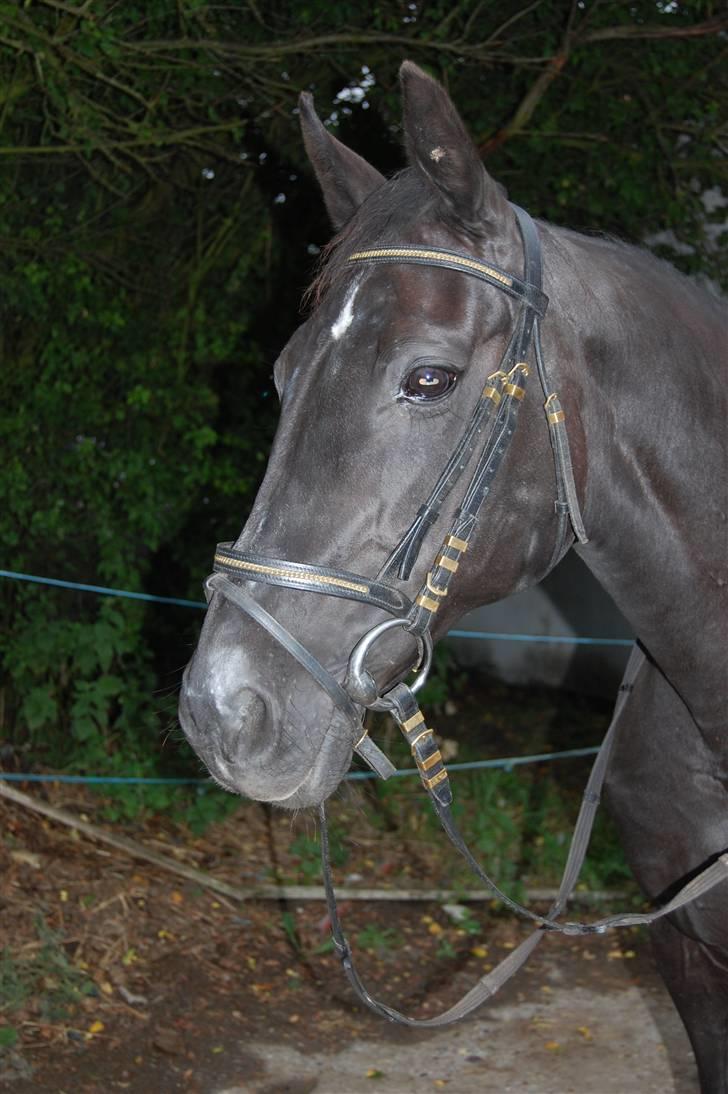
(628, 466)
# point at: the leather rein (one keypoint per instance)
(487, 433)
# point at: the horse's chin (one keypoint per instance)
(309, 790)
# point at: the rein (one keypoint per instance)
(488, 433)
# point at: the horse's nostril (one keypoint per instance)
(244, 732)
(253, 711)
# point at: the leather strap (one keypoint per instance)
(318, 579)
(565, 484)
(712, 875)
(418, 255)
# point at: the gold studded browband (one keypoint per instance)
(450, 260)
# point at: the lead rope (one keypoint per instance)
(436, 781)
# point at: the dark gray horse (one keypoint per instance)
(375, 390)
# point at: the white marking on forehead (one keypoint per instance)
(346, 318)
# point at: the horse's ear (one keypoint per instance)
(344, 177)
(438, 144)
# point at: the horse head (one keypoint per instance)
(381, 385)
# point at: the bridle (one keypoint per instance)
(488, 433)
(486, 438)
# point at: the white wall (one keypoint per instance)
(569, 602)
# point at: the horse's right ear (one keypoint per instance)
(344, 177)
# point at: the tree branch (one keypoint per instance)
(698, 30)
(535, 94)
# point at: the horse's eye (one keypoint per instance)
(428, 382)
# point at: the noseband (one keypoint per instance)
(488, 433)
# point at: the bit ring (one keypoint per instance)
(360, 683)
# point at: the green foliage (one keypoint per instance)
(308, 853)
(8, 1037)
(157, 222)
(378, 940)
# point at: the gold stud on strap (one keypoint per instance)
(436, 779)
(427, 602)
(447, 563)
(435, 758)
(415, 720)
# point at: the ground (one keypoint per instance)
(116, 975)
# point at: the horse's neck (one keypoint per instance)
(653, 411)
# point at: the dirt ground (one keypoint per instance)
(116, 976)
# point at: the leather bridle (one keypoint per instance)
(488, 434)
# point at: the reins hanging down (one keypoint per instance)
(487, 434)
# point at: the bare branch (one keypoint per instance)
(697, 30)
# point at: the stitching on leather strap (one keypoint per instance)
(415, 252)
(292, 575)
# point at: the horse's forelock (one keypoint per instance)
(382, 219)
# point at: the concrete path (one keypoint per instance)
(620, 1041)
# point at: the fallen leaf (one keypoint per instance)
(26, 858)
(552, 1046)
(169, 1041)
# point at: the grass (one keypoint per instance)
(45, 976)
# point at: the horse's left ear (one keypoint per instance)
(438, 144)
(344, 177)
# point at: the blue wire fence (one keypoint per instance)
(104, 590)
(504, 763)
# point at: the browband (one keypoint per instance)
(417, 255)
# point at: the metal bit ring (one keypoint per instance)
(360, 683)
